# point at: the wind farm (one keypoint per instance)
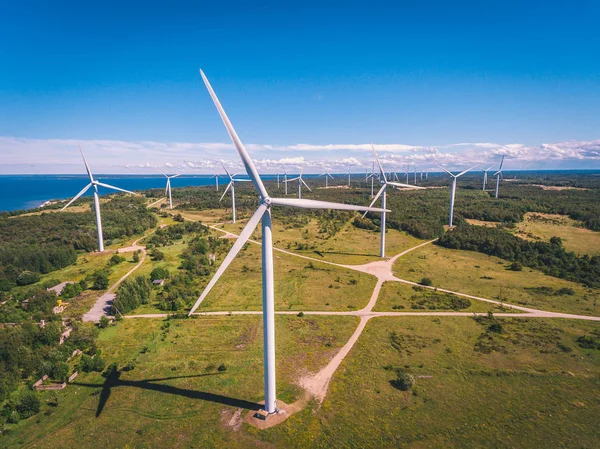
(323, 261)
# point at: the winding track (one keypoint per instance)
(317, 384)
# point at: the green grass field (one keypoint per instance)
(176, 396)
(481, 275)
(574, 236)
(350, 246)
(399, 297)
(535, 388)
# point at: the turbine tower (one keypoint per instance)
(327, 176)
(216, 176)
(383, 191)
(93, 183)
(263, 212)
(453, 189)
(498, 174)
(231, 186)
(168, 188)
(371, 176)
(485, 177)
(285, 178)
(300, 182)
(348, 176)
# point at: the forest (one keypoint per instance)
(39, 244)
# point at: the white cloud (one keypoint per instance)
(22, 155)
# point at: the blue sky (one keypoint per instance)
(302, 83)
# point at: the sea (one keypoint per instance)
(19, 192)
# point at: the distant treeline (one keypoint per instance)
(549, 257)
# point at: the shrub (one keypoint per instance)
(136, 256)
(516, 266)
(300, 314)
(104, 322)
(495, 327)
(588, 342)
(116, 260)
(28, 404)
(222, 368)
(71, 290)
(426, 282)
(129, 366)
(159, 273)
(28, 278)
(404, 381)
(156, 254)
(100, 280)
(565, 291)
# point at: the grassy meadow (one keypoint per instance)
(486, 276)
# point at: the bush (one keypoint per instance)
(136, 256)
(516, 266)
(156, 254)
(565, 291)
(71, 290)
(129, 366)
(28, 404)
(88, 364)
(104, 322)
(222, 368)
(100, 280)
(496, 327)
(159, 273)
(116, 260)
(28, 278)
(426, 282)
(404, 381)
(300, 314)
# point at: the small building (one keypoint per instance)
(158, 282)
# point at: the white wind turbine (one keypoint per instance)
(231, 186)
(216, 176)
(485, 177)
(371, 176)
(453, 189)
(348, 176)
(300, 182)
(285, 179)
(93, 183)
(498, 175)
(263, 212)
(383, 191)
(168, 188)
(327, 176)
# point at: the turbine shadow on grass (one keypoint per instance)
(114, 380)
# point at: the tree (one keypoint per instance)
(159, 273)
(104, 322)
(28, 404)
(100, 280)
(28, 277)
(157, 254)
(404, 381)
(426, 282)
(136, 256)
(516, 266)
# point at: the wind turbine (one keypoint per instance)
(383, 191)
(231, 186)
(216, 176)
(93, 183)
(485, 177)
(498, 174)
(372, 176)
(263, 212)
(300, 182)
(327, 176)
(453, 189)
(285, 178)
(168, 188)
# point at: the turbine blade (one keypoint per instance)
(408, 186)
(375, 198)
(225, 192)
(108, 186)
(463, 172)
(450, 173)
(237, 246)
(248, 164)
(305, 184)
(316, 204)
(378, 163)
(501, 163)
(87, 167)
(77, 196)
(228, 174)
(177, 175)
